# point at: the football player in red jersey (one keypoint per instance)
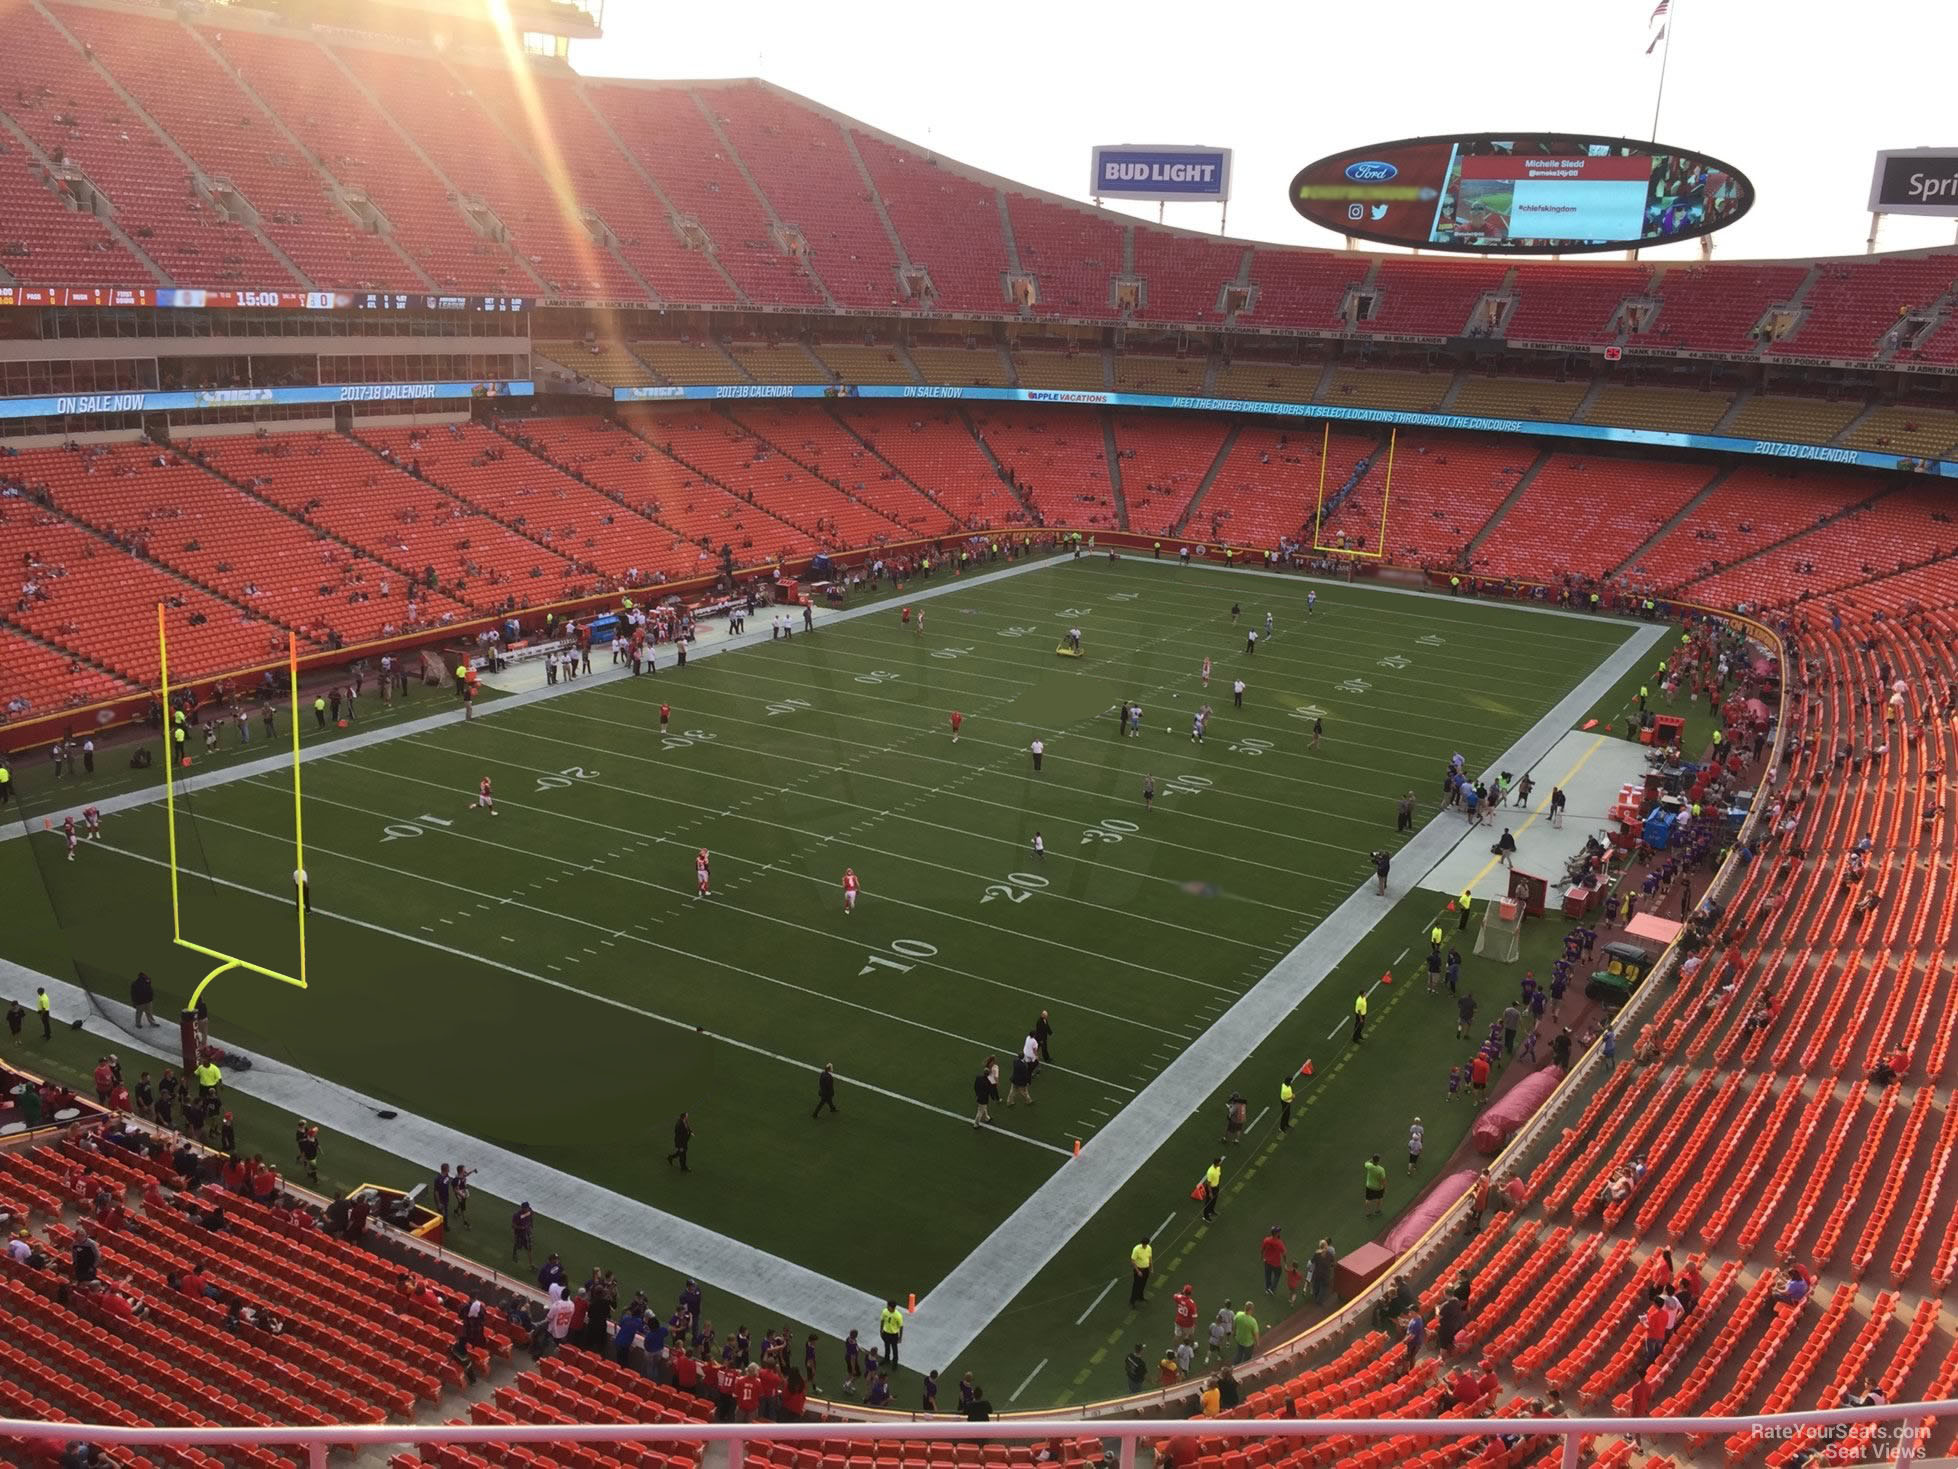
(849, 890)
(484, 800)
(957, 720)
(700, 872)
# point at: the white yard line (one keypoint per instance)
(988, 1279)
(1028, 1380)
(1095, 1302)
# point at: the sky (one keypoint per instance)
(1796, 94)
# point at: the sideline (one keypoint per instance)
(983, 1284)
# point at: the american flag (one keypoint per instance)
(1659, 10)
(1657, 18)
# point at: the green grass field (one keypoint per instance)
(548, 981)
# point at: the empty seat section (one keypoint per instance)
(801, 161)
(743, 512)
(606, 363)
(1586, 514)
(44, 242)
(956, 364)
(60, 102)
(1906, 429)
(1804, 420)
(442, 113)
(1183, 276)
(1429, 298)
(749, 466)
(1679, 410)
(1748, 511)
(1137, 372)
(85, 590)
(858, 362)
(702, 516)
(1269, 484)
(533, 497)
(445, 544)
(1269, 382)
(1072, 253)
(687, 361)
(1572, 303)
(1445, 488)
(1851, 305)
(1358, 387)
(672, 140)
(933, 447)
(560, 128)
(1302, 289)
(186, 89)
(777, 362)
(1059, 462)
(950, 224)
(1715, 308)
(359, 146)
(194, 523)
(807, 433)
(1058, 367)
(1518, 397)
(42, 679)
(1163, 460)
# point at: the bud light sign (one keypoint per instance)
(1371, 173)
(1165, 174)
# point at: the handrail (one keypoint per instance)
(1907, 1434)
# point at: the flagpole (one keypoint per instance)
(1665, 56)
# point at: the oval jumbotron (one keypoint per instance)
(1521, 193)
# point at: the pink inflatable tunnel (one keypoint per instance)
(1435, 1203)
(1500, 1119)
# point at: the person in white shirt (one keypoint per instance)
(1038, 748)
(1039, 847)
(557, 1315)
(1237, 693)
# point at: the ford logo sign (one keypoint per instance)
(1371, 173)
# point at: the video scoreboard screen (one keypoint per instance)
(1521, 193)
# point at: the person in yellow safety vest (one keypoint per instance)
(44, 1007)
(180, 738)
(1594, 601)
(1718, 740)
(1434, 937)
(1643, 694)
(1359, 1015)
(1454, 583)
(1159, 550)
(1462, 907)
(1285, 1105)
(319, 710)
(1140, 1259)
(6, 785)
(890, 1326)
(209, 1078)
(1213, 1185)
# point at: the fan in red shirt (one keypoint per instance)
(957, 720)
(849, 890)
(1186, 1315)
(686, 1368)
(665, 713)
(747, 1394)
(700, 872)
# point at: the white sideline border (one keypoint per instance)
(1001, 1266)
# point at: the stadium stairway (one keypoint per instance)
(1209, 479)
(1676, 519)
(1510, 501)
(1114, 459)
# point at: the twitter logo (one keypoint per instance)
(1380, 211)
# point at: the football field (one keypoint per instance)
(549, 981)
